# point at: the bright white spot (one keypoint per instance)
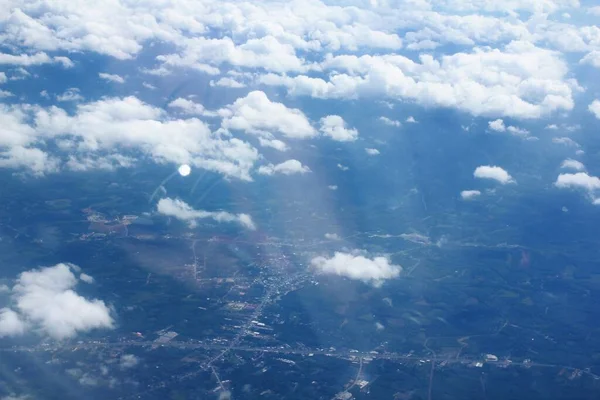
(184, 170)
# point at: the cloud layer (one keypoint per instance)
(109, 126)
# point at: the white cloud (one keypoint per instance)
(390, 122)
(108, 126)
(86, 278)
(44, 300)
(493, 172)
(207, 54)
(357, 265)
(103, 163)
(332, 236)
(258, 115)
(148, 86)
(3, 78)
(187, 106)
(128, 361)
(26, 159)
(517, 131)
(566, 127)
(5, 93)
(594, 10)
(566, 141)
(343, 167)
(578, 180)
(332, 187)
(411, 120)
(27, 60)
(520, 81)
(11, 323)
(372, 152)
(469, 194)
(273, 143)
(592, 58)
(288, 167)
(257, 35)
(594, 108)
(335, 127)
(184, 212)
(111, 77)
(572, 164)
(497, 125)
(228, 82)
(71, 94)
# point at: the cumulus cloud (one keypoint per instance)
(390, 122)
(332, 236)
(594, 108)
(44, 300)
(493, 172)
(110, 125)
(184, 212)
(71, 94)
(273, 143)
(411, 120)
(579, 180)
(189, 107)
(371, 152)
(357, 265)
(336, 128)
(11, 323)
(86, 278)
(572, 164)
(111, 77)
(26, 60)
(256, 114)
(26, 159)
(288, 167)
(469, 194)
(343, 167)
(498, 126)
